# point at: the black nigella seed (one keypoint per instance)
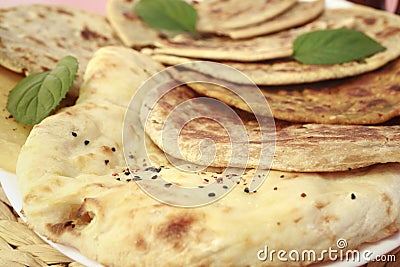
(353, 196)
(86, 142)
(247, 190)
(201, 186)
(154, 177)
(137, 178)
(211, 194)
(168, 185)
(152, 169)
(113, 149)
(118, 179)
(225, 187)
(106, 161)
(127, 173)
(282, 176)
(74, 134)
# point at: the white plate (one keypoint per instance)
(10, 185)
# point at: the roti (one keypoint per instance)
(300, 13)
(278, 45)
(134, 33)
(370, 98)
(129, 27)
(215, 14)
(383, 26)
(73, 196)
(35, 41)
(326, 147)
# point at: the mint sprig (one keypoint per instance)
(171, 15)
(334, 46)
(37, 95)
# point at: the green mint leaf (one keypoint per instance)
(334, 46)
(37, 95)
(171, 15)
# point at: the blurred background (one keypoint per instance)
(389, 5)
(98, 6)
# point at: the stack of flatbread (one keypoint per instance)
(85, 172)
(313, 104)
(265, 41)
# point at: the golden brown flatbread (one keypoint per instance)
(278, 45)
(298, 147)
(369, 98)
(231, 14)
(382, 26)
(296, 15)
(129, 27)
(35, 37)
(134, 33)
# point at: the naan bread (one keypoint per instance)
(73, 197)
(383, 26)
(34, 38)
(297, 15)
(369, 98)
(230, 14)
(12, 134)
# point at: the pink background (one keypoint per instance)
(391, 5)
(97, 6)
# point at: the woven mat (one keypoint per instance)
(21, 247)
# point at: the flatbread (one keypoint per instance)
(35, 37)
(383, 26)
(278, 45)
(369, 98)
(129, 27)
(296, 15)
(134, 33)
(231, 14)
(325, 147)
(12, 134)
(71, 196)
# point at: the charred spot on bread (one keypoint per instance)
(60, 228)
(176, 229)
(79, 217)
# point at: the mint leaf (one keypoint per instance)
(172, 15)
(334, 46)
(37, 95)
